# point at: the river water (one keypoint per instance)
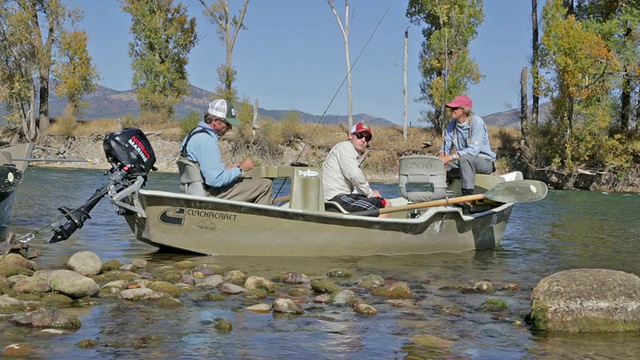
(567, 230)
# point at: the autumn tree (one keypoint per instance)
(163, 36)
(618, 24)
(30, 34)
(75, 76)
(227, 28)
(577, 64)
(445, 62)
(344, 29)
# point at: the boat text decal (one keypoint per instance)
(176, 215)
(172, 216)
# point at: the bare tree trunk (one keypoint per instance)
(524, 122)
(254, 125)
(345, 36)
(535, 71)
(405, 90)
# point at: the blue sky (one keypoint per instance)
(292, 54)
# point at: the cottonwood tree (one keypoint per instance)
(163, 36)
(445, 63)
(618, 23)
(75, 76)
(227, 28)
(29, 38)
(344, 29)
(576, 62)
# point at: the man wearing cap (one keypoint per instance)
(343, 180)
(201, 146)
(466, 149)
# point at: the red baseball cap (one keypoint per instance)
(460, 101)
(360, 128)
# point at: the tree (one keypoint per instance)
(163, 36)
(227, 29)
(445, 64)
(30, 33)
(535, 71)
(75, 76)
(577, 63)
(345, 36)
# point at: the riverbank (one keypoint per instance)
(381, 164)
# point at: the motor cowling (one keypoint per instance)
(129, 150)
(130, 154)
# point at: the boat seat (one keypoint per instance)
(333, 206)
(422, 178)
(191, 180)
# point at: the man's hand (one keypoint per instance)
(246, 164)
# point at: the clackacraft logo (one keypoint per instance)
(173, 216)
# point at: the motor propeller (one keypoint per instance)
(131, 156)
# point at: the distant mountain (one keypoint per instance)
(109, 103)
(511, 118)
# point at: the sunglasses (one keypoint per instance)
(455, 108)
(360, 136)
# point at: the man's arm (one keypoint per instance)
(205, 150)
(478, 132)
(351, 171)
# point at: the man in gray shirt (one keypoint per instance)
(343, 180)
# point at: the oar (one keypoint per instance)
(52, 160)
(505, 192)
(282, 198)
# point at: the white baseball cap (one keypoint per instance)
(223, 109)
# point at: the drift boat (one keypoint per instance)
(11, 173)
(305, 225)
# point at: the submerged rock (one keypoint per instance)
(594, 300)
(49, 318)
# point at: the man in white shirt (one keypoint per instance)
(343, 180)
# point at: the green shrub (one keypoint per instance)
(189, 123)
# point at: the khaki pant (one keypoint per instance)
(255, 190)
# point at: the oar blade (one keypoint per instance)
(517, 191)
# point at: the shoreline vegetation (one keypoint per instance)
(289, 140)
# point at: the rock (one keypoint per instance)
(49, 318)
(365, 309)
(287, 306)
(235, 277)
(18, 260)
(322, 299)
(483, 287)
(139, 263)
(344, 298)
(257, 282)
(32, 285)
(339, 273)
(259, 308)
(586, 300)
(324, 287)
(85, 263)
(187, 264)
(9, 305)
(72, 284)
(295, 278)
(371, 282)
(139, 294)
(166, 288)
(209, 282)
(494, 304)
(223, 326)
(228, 288)
(396, 290)
(111, 265)
(17, 350)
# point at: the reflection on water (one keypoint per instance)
(565, 231)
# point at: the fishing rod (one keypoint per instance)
(296, 162)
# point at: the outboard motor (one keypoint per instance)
(131, 156)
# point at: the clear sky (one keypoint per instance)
(292, 54)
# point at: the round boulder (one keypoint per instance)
(586, 300)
